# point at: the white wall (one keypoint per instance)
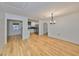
(25, 33)
(3, 26)
(66, 28)
(2, 30)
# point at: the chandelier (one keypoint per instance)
(52, 21)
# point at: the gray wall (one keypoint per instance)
(2, 30)
(66, 28)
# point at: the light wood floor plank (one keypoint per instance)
(39, 46)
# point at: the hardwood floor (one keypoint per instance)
(39, 46)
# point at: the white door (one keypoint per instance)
(45, 28)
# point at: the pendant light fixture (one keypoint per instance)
(52, 21)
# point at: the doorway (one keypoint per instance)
(33, 27)
(45, 29)
(14, 29)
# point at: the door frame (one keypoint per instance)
(46, 28)
(14, 20)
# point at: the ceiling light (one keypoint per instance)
(52, 21)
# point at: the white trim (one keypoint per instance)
(12, 17)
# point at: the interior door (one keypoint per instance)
(45, 28)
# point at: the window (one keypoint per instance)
(15, 26)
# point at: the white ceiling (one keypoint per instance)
(39, 9)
